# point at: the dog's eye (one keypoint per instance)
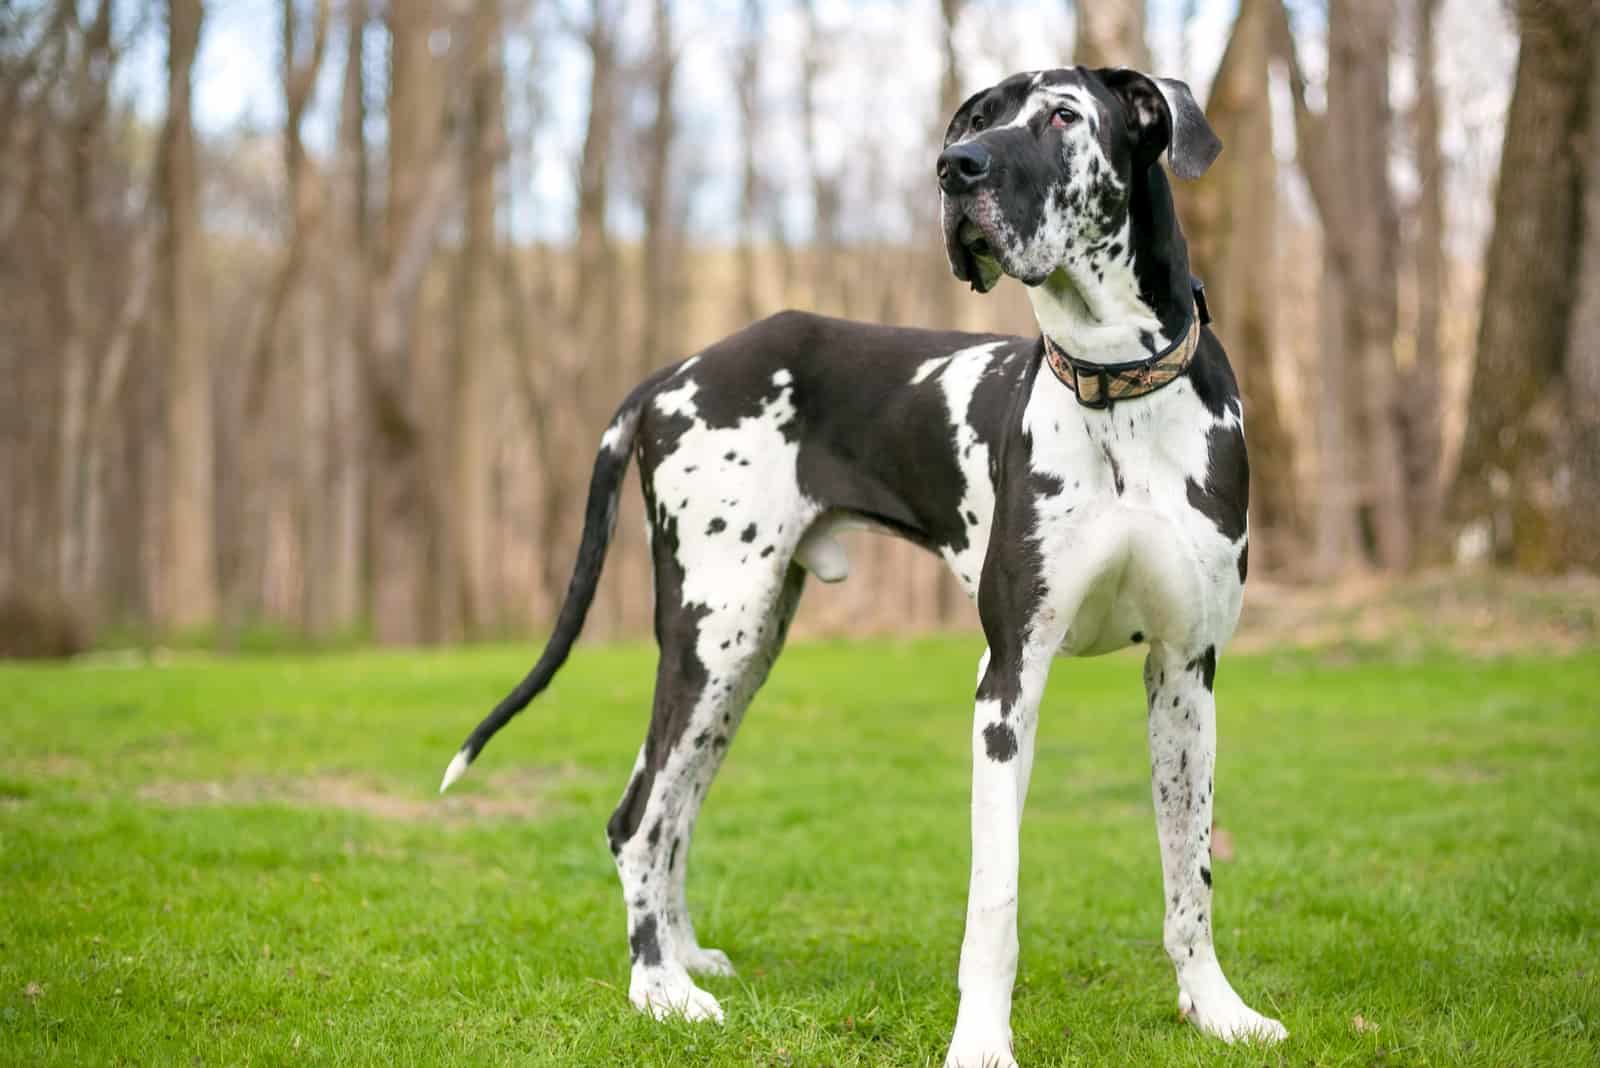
(978, 122)
(1061, 118)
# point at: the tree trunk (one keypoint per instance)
(191, 562)
(1508, 451)
(1230, 219)
(405, 517)
(350, 268)
(1111, 34)
(1344, 154)
(1581, 545)
(749, 90)
(468, 595)
(1422, 385)
(90, 85)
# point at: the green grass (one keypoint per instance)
(240, 862)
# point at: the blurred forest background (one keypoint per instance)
(314, 310)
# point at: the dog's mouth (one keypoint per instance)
(972, 239)
(970, 247)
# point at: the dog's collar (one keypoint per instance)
(1100, 385)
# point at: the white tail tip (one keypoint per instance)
(458, 767)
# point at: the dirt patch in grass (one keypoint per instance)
(521, 794)
(1483, 613)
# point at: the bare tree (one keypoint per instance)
(661, 281)
(1344, 154)
(190, 560)
(1582, 547)
(1516, 406)
(1422, 404)
(468, 593)
(89, 87)
(1231, 222)
(1111, 34)
(349, 268)
(825, 186)
(748, 86)
(407, 539)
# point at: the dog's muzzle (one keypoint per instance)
(967, 244)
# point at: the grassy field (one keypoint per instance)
(230, 863)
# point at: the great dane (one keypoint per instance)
(1088, 488)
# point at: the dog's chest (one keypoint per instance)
(1119, 516)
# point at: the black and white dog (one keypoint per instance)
(1088, 488)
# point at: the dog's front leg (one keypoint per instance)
(1183, 754)
(1003, 725)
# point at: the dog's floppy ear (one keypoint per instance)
(1162, 114)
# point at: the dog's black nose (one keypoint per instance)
(962, 167)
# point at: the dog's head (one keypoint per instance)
(1042, 163)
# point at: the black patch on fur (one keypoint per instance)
(1244, 562)
(642, 943)
(1206, 664)
(672, 858)
(1225, 497)
(1001, 742)
(749, 533)
(717, 525)
(1205, 876)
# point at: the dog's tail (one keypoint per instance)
(599, 520)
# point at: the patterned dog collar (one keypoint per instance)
(1100, 385)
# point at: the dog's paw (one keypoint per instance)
(1231, 1020)
(707, 962)
(980, 1051)
(664, 994)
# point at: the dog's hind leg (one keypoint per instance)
(1183, 752)
(713, 659)
(752, 674)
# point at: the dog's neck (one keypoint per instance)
(1125, 297)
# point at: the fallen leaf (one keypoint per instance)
(1363, 1025)
(33, 992)
(1221, 844)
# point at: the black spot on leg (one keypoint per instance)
(766, 552)
(1205, 876)
(654, 837)
(720, 742)
(672, 857)
(1244, 561)
(1206, 664)
(748, 534)
(630, 810)
(717, 525)
(1001, 742)
(701, 739)
(642, 942)
(972, 517)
